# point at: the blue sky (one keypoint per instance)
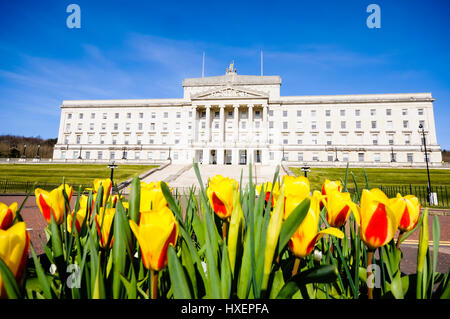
(144, 49)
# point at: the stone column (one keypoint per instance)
(236, 122)
(265, 124)
(250, 123)
(222, 123)
(208, 123)
(194, 124)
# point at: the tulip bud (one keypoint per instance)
(53, 202)
(406, 210)
(220, 195)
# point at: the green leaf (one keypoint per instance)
(171, 202)
(9, 282)
(292, 223)
(121, 247)
(43, 280)
(321, 274)
(436, 239)
(130, 285)
(188, 263)
(178, 279)
(277, 284)
(225, 273)
(135, 199)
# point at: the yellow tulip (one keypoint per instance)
(267, 190)
(407, 210)
(157, 229)
(7, 215)
(14, 244)
(53, 202)
(220, 195)
(104, 220)
(305, 237)
(339, 205)
(152, 197)
(106, 185)
(378, 221)
(236, 232)
(296, 190)
(81, 214)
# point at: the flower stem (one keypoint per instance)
(296, 265)
(400, 235)
(224, 229)
(154, 283)
(369, 273)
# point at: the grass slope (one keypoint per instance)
(73, 173)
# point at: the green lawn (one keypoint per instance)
(377, 176)
(74, 173)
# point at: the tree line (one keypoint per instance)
(12, 146)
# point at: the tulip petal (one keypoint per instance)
(377, 228)
(218, 206)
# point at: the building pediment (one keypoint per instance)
(228, 93)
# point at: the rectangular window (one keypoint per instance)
(404, 111)
(313, 125)
(92, 115)
(360, 157)
(178, 115)
(330, 157)
(244, 125)
(343, 125)
(78, 139)
(257, 114)
(299, 113)
(140, 126)
(374, 124)
(409, 157)
(285, 125)
(63, 155)
(88, 155)
(244, 115)
(391, 139)
(90, 139)
(285, 141)
(116, 115)
(313, 113)
(315, 157)
(376, 157)
(99, 155)
(230, 114)
(127, 126)
(407, 139)
(285, 113)
(300, 157)
(216, 115)
(112, 155)
(91, 126)
(314, 139)
(357, 112)
(164, 127)
(116, 126)
(141, 115)
(299, 142)
(389, 125)
(105, 116)
(67, 127)
(152, 126)
(271, 113)
(328, 125)
(271, 156)
(270, 124)
(69, 116)
(388, 112)
(103, 126)
(128, 115)
(342, 112)
(375, 139)
(373, 112)
(153, 115)
(327, 112)
(422, 123)
(420, 111)
(80, 126)
(150, 155)
(80, 116)
(166, 115)
(137, 155)
(358, 124)
(345, 157)
(328, 139)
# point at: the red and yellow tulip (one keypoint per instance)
(305, 237)
(330, 186)
(220, 195)
(104, 220)
(339, 205)
(157, 229)
(14, 244)
(7, 215)
(407, 210)
(378, 221)
(80, 215)
(296, 189)
(52, 203)
(268, 188)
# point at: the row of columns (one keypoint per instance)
(235, 122)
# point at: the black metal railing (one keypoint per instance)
(10, 187)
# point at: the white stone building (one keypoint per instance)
(231, 118)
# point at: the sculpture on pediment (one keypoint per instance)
(231, 69)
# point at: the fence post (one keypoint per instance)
(6, 183)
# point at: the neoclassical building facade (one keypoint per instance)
(233, 118)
